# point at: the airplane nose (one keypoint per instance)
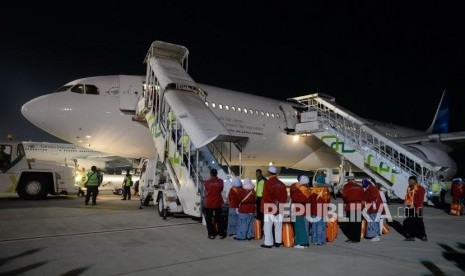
(36, 110)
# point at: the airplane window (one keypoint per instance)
(206, 103)
(233, 108)
(226, 107)
(277, 115)
(256, 112)
(220, 106)
(267, 114)
(213, 105)
(251, 111)
(239, 109)
(245, 110)
(91, 89)
(272, 115)
(64, 88)
(78, 88)
(262, 113)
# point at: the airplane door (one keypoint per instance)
(291, 116)
(130, 88)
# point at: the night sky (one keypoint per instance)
(385, 61)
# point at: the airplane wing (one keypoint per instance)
(451, 138)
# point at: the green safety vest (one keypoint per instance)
(185, 142)
(259, 187)
(435, 188)
(93, 178)
(127, 181)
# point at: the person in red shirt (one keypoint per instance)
(413, 223)
(456, 190)
(319, 211)
(233, 202)
(246, 211)
(353, 196)
(274, 196)
(213, 201)
(373, 204)
(300, 198)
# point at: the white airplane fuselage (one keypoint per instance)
(99, 123)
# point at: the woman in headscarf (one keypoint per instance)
(300, 197)
(374, 203)
(233, 202)
(319, 210)
(246, 215)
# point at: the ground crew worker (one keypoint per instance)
(436, 189)
(259, 192)
(80, 176)
(274, 195)
(93, 182)
(213, 201)
(413, 223)
(300, 197)
(127, 183)
(353, 196)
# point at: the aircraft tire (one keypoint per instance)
(162, 211)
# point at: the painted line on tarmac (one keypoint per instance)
(96, 232)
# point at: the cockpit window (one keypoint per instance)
(91, 89)
(78, 88)
(64, 88)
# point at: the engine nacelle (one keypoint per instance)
(437, 156)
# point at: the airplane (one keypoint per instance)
(97, 113)
(72, 155)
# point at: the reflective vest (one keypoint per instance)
(93, 178)
(127, 181)
(436, 189)
(259, 186)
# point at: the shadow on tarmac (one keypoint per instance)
(24, 269)
(449, 254)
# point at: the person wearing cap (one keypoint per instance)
(233, 200)
(246, 211)
(213, 202)
(274, 194)
(319, 200)
(300, 198)
(353, 196)
(373, 206)
(413, 223)
(259, 192)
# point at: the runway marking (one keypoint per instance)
(96, 232)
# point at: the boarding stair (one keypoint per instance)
(186, 133)
(387, 161)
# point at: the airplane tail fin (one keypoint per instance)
(440, 122)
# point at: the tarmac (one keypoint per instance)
(62, 236)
